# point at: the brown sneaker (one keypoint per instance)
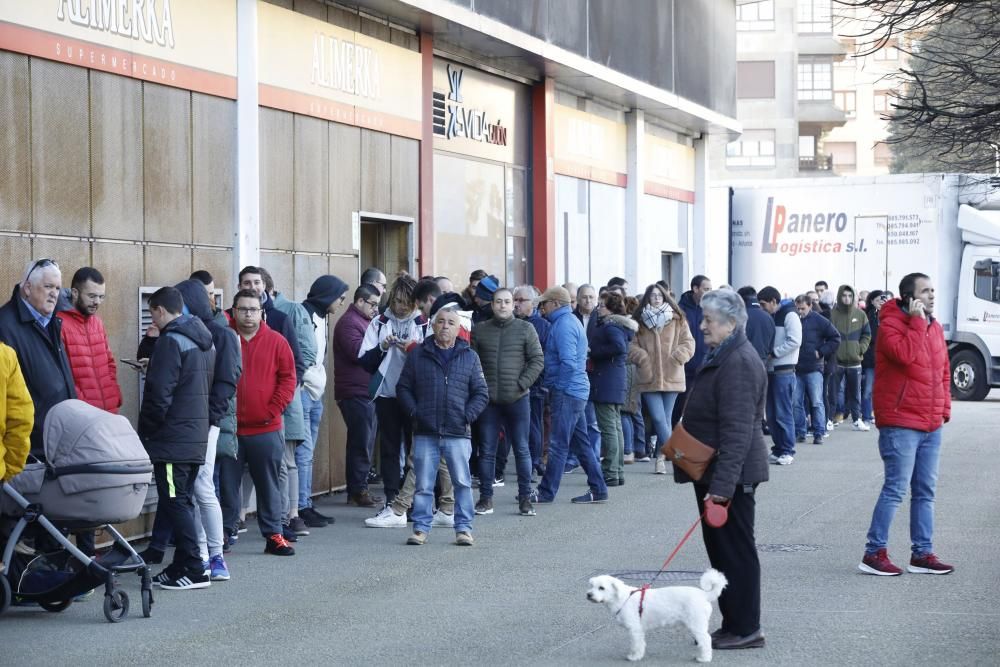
(464, 539)
(363, 499)
(416, 539)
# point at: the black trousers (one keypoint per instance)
(395, 429)
(262, 455)
(175, 488)
(359, 416)
(732, 550)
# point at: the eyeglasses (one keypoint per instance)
(248, 311)
(522, 300)
(373, 304)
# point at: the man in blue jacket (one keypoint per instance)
(565, 376)
(690, 303)
(442, 390)
(819, 339)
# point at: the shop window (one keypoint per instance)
(755, 79)
(815, 80)
(755, 16)
(846, 101)
(987, 281)
(815, 16)
(755, 148)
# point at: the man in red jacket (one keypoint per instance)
(86, 343)
(265, 388)
(912, 401)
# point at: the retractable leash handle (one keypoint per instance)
(716, 514)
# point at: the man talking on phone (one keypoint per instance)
(912, 402)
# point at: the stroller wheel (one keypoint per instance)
(116, 606)
(55, 607)
(147, 603)
(5, 593)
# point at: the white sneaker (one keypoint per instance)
(660, 467)
(829, 426)
(771, 458)
(785, 460)
(860, 425)
(443, 519)
(386, 519)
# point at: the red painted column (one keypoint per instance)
(543, 204)
(425, 238)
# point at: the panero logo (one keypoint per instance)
(800, 233)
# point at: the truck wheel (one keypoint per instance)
(968, 376)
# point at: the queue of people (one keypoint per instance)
(446, 384)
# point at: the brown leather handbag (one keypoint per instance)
(688, 453)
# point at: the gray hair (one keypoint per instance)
(531, 290)
(35, 269)
(583, 287)
(725, 305)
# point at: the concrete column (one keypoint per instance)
(699, 223)
(543, 185)
(247, 246)
(635, 123)
(425, 236)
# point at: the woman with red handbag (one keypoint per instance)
(724, 410)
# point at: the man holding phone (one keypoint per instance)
(912, 402)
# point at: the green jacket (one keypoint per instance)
(511, 357)
(855, 333)
(294, 418)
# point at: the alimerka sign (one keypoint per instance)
(189, 44)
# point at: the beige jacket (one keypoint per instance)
(668, 351)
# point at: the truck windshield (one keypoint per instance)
(987, 285)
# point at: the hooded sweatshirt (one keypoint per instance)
(174, 417)
(324, 291)
(855, 332)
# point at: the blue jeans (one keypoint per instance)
(660, 406)
(593, 433)
(809, 397)
(536, 435)
(569, 433)
(867, 385)
(780, 416)
(911, 459)
(312, 412)
(852, 390)
(514, 419)
(427, 453)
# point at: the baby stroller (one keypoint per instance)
(95, 473)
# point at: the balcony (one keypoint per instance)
(821, 45)
(822, 114)
(816, 163)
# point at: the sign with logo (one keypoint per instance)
(187, 44)
(669, 168)
(474, 113)
(590, 147)
(311, 67)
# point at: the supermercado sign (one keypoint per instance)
(187, 44)
(590, 147)
(314, 68)
(475, 113)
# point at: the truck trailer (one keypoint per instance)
(868, 232)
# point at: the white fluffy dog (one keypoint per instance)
(687, 605)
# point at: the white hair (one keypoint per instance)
(725, 305)
(530, 289)
(34, 270)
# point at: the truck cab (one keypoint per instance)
(974, 347)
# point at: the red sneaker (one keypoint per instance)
(879, 564)
(928, 564)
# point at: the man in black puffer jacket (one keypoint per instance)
(443, 390)
(173, 427)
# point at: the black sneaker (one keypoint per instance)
(329, 519)
(800, 438)
(373, 477)
(241, 527)
(298, 526)
(186, 582)
(484, 506)
(311, 518)
(165, 575)
(498, 481)
(278, 546)
(289, 534)
(525, 506)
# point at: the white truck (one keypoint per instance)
(868, 232)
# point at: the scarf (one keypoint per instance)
(656, 318)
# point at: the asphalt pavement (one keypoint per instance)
(354, 595)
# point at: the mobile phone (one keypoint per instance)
(134, 364)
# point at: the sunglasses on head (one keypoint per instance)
(40, 264)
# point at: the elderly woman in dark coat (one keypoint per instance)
(725, 409)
